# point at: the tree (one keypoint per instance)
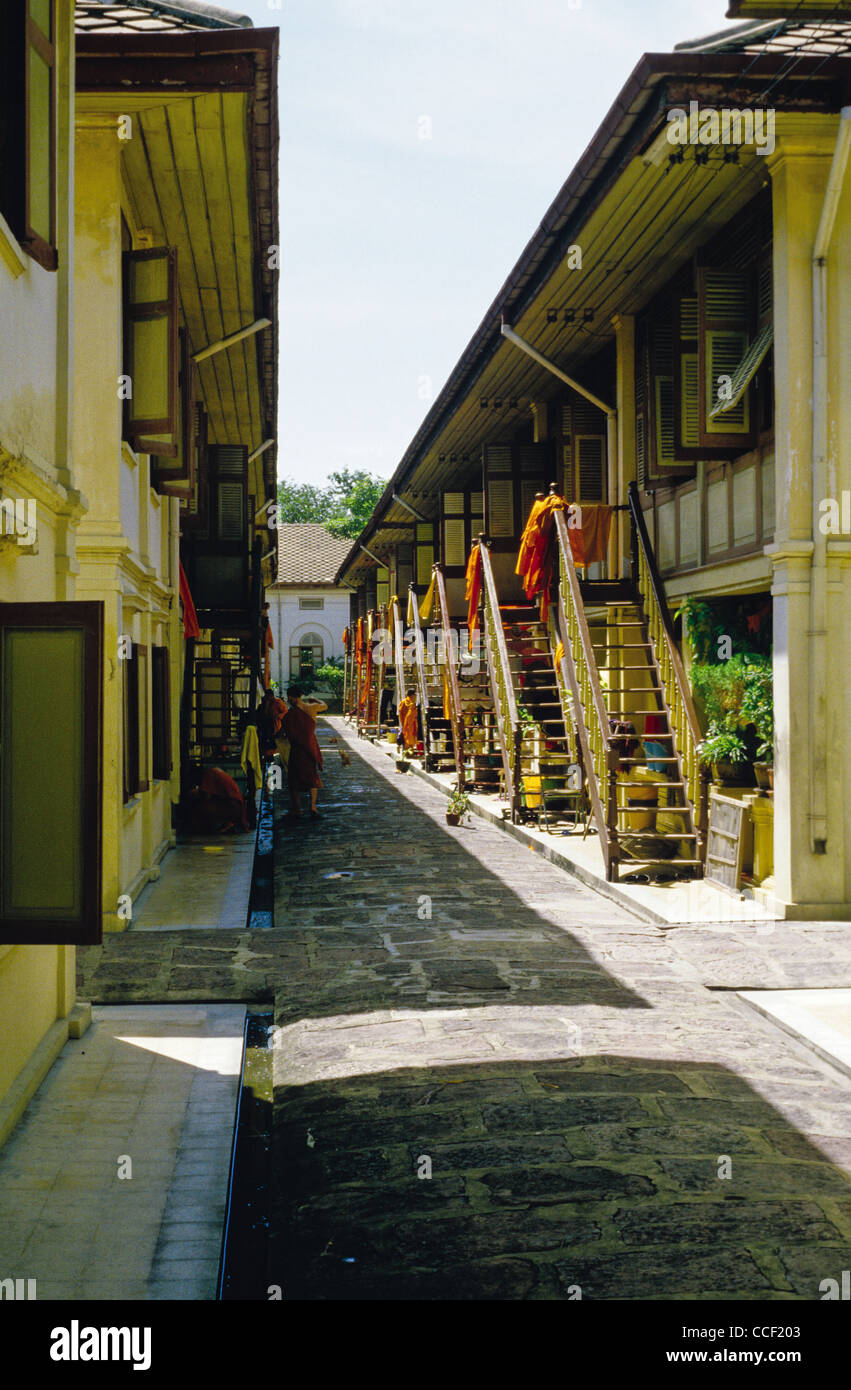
(344, 504)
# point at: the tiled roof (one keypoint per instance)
(309, 554)
(151, 16)
(797, 38)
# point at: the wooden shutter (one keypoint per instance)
(664, 373)
(726, 316)
(512, 474)
(28, 125)
(130, 667)
(195, 505)
(161, 721)
(151, 350)
(51, 730)
(173, 474)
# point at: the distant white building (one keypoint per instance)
(307, 610)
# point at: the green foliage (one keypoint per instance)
(331, 676)
(745, 620)
(344, 504)
(458, 804)
(734, 694)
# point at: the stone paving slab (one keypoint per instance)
(493, 1083)
(153, 1084)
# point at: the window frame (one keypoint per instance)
(19, 33)
(161, 750)
(88, 616)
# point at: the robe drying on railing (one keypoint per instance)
(473, 591)
(536, 558)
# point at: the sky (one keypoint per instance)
(422, 141)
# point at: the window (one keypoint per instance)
(151, 351)
(28, 125)
(313, 605)
(131, 723)
(51, 731)
(137, 722)
(307, 657)
(161, 722)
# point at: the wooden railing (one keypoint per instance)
(677, 693)
(398, 633)
(501, 682)
(419, 663)
(579, 670)
(449, 656)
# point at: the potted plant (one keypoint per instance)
(457, 807)
(727, 754)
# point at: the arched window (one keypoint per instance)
(307, 657)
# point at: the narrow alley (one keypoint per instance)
(492, 1083)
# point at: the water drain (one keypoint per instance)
(244, 1266)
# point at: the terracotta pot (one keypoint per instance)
(771, 777)
(762, 775)
(452, 818)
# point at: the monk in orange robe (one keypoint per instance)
(407, 712)
(305, 760)
(216, 806)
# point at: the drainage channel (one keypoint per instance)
(244, 1262)
(261, 907)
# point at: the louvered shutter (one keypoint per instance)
(725, 307)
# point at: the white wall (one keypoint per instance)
(289, 623)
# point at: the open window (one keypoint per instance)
(151, 351)
(51, 722)
(28, 125)
(161, 721)
(173, 474)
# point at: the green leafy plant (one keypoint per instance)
(331, 676)
(735, 694)
(723, 748)
(458, 804)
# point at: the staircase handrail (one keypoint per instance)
(502, 684)
(677, 692)
(456, 717)
(596, 740)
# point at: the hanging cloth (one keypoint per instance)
(473, 591)
(190, 618)
(428, 602)
(536, 558)
(591, 537)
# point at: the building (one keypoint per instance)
(671, 345)
(139, 250)
(308, 610)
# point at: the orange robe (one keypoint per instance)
(473, 590)
(536, 558)
(407, 712)
(305, 760)
(219, 803)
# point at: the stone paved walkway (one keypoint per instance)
(492, 1083)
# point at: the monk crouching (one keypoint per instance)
(305, 759)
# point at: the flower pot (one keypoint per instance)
(762, 772)
(730, 773)
(452, 818)
(771, 778)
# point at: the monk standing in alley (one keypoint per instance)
(305, 760)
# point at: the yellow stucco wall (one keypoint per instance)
(37, 982)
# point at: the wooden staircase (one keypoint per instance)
(621, 665)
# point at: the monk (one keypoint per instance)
(305, 760)
(215, 804)
(408, 722)
(268, 717)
